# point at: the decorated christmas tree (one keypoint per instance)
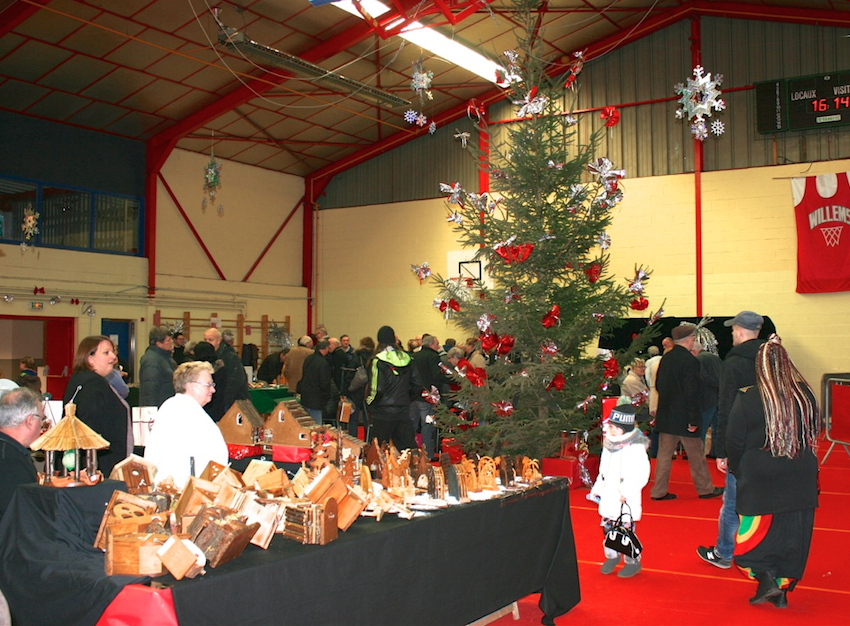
(547, 294)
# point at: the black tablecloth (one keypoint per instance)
(451, 567)
(49, 571)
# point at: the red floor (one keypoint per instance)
(676, 587)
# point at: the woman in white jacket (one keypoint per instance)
(623, 473)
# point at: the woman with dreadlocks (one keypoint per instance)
(771, 445)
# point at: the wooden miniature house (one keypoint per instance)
(289, 424)
(241, 423)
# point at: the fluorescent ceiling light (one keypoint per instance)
(430, 40)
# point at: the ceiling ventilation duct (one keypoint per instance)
(232, 38)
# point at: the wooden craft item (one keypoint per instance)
(309, 523)
(507, 471)
(350, 508)
(220, 534)
(375, 460)
(471, 475)
(267, 515)
(228, 476)
(487, 474)
(182, 558)
(123, 508)
(275, 483)
(240, 423)
(230, 497)
(436, 483)
(344, 410)
(136, 473)
(328, 484)
(302, 479)
(256, 469)
(196, 494)
(134, 555)
(365, 478)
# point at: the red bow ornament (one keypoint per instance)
(639, 304)
(505, 408)
(612, 368)
(432, 395)
(593, 271)
(611, 116)
(552, 317)
(506, 344)
(515, 254)
(38, 290)
(451, 304)
(557, 383)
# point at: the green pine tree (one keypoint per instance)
(545, 248)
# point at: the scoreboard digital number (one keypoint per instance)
(820, 101)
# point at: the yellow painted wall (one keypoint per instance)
(256, 203)
(749, 260)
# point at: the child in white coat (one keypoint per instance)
(623, 473)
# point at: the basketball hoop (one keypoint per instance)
(831, 235)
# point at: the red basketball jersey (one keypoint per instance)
(823, 248)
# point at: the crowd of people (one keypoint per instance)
(764, 425)
(761, 413)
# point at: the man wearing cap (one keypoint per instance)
(738, 370)
(678, 418)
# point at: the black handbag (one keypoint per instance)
(622, 538)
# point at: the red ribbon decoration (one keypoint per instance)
(593, 271)
(516, 254)
(612, 368)
(38, 290)
(432, 396)
(451, 304)
(558, 382)
(75, 300)
(611, 116)
(504, 408)
(506, 344)
(489, 341)
(639, 304)
(552, 317)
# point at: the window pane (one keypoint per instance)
(116, 226)
(15, 196)
(65, 217)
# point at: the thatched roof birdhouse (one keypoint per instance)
(71, 434)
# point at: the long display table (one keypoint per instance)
(449, 567)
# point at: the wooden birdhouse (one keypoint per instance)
(71, 434)
(241, 423)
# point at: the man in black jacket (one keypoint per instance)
(236, 381)
(739, 370)
(426, 363)
(20, 425)
(315, 384)
(678, 419)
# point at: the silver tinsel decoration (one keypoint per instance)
(278, 336)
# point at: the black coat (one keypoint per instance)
(100, 408)
(426, 362)
(766, 484)
(236, 381)
(315, 384)
(677, 383)
(270, 368)
(156, 376)
(739, 370)
(16, 468)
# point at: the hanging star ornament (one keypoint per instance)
(699, 98)
(29, 225)
(212, 182)
(421, 82)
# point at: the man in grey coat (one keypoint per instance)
(156, 368)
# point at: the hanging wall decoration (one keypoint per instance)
(212, 182)
(29, 226)
(699, 98)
